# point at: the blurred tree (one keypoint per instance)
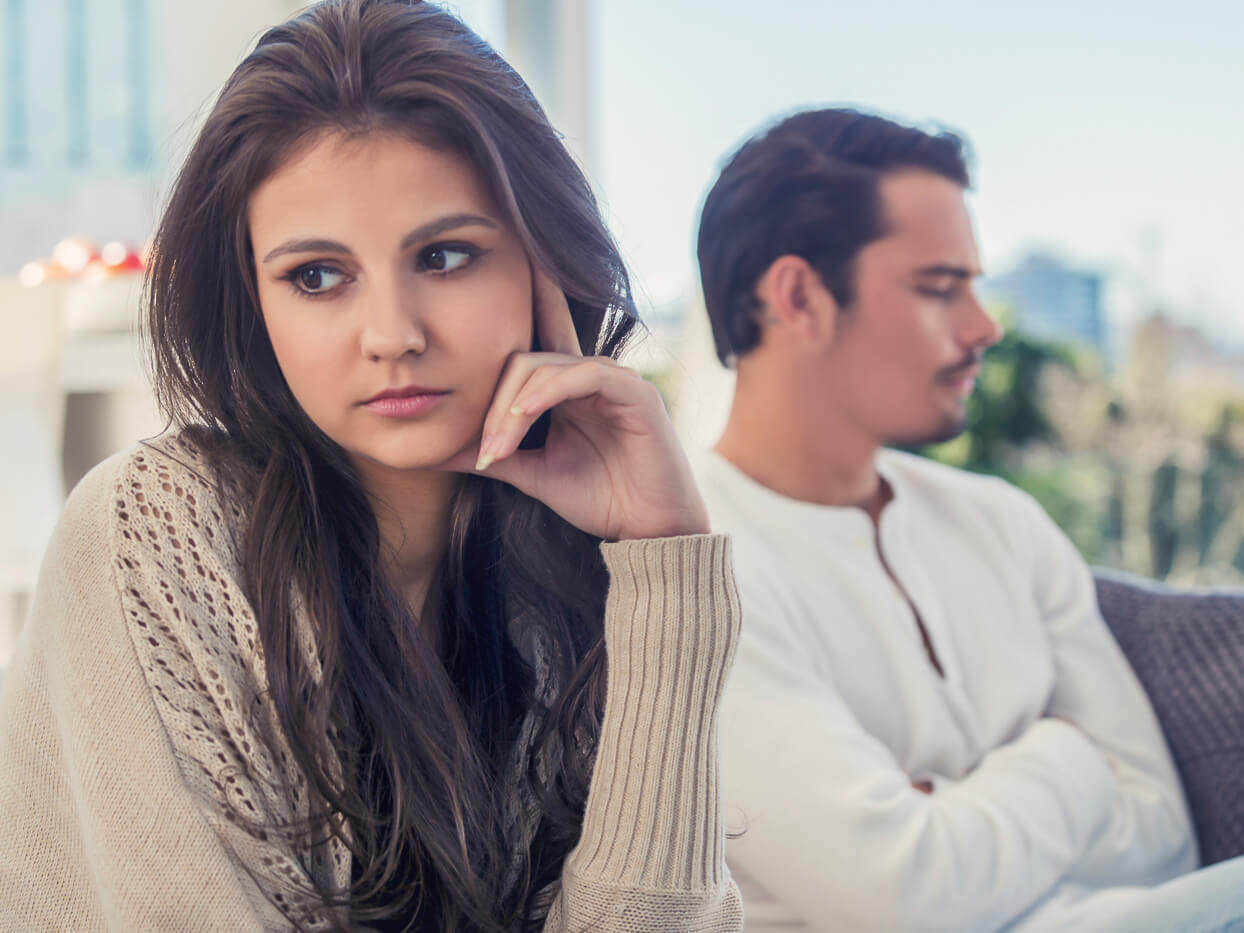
(1163, 518)
(1222, 481)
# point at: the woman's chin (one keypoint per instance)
(425, 455)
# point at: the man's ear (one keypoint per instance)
(792, 296)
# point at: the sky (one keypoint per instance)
(1108, 133)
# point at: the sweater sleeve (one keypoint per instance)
(1148, 837)
(651, 855)
(833, 828)
(99, 829)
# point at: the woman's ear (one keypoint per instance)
(794, 298)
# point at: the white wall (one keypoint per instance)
(202, 43)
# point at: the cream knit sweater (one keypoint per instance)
(134, 722)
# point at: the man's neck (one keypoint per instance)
(810, 456)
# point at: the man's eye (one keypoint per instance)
(444, 259)
(315, 279)
(941, 294)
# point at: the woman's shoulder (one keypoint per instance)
(161, 518)
(158, 521)
(151, 496)
(176, 525)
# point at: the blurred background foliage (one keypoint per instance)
(1141, 464)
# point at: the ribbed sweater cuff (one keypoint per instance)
(671, 622)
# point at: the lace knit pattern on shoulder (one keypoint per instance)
(198, 643)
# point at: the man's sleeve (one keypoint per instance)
(1149, 836)
(832, 826)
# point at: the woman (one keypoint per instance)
(415, 623)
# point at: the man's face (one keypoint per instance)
(906, 351)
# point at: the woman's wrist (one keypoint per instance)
(692, 521)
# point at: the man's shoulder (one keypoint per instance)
(724, 487)
(786, 551)
(729, 490)
(714, 472)
(984, 514)
(738, 504)
(930, 478)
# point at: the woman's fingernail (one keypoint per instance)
(486, 455)
(517, 409)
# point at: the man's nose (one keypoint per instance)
(980, 328)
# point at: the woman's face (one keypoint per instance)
(393, 292)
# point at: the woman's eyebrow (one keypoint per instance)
(307, 246)
(449, 222)
(423, 232)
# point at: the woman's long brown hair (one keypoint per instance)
(405, 735)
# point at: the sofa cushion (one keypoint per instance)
(1187, 648)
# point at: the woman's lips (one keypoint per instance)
(405, 403)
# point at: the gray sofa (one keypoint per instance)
(1187, 648)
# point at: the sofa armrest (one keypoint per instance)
(1187, 648)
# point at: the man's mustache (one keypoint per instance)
(969, 361)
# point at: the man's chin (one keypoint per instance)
(948, 430)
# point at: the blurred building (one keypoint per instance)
(1052, 299)
(98, 100)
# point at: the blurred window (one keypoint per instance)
(77, 90)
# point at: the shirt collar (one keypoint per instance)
(845, 522)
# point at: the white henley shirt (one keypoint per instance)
(1053, 785)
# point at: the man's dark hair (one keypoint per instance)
(806, 187)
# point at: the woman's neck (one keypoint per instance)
(412, 509)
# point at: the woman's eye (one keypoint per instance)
(316, 279)
(444, 259)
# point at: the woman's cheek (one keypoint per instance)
(506, 320)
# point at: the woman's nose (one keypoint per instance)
(391, 327)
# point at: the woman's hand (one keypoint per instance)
(611, 465)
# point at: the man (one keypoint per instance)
(928, 726)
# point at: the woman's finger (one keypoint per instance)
(554, 325)
(552, 386)
(522, 470)
(592, 376)
(517, 371)
(503, 419)
(504, 440)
